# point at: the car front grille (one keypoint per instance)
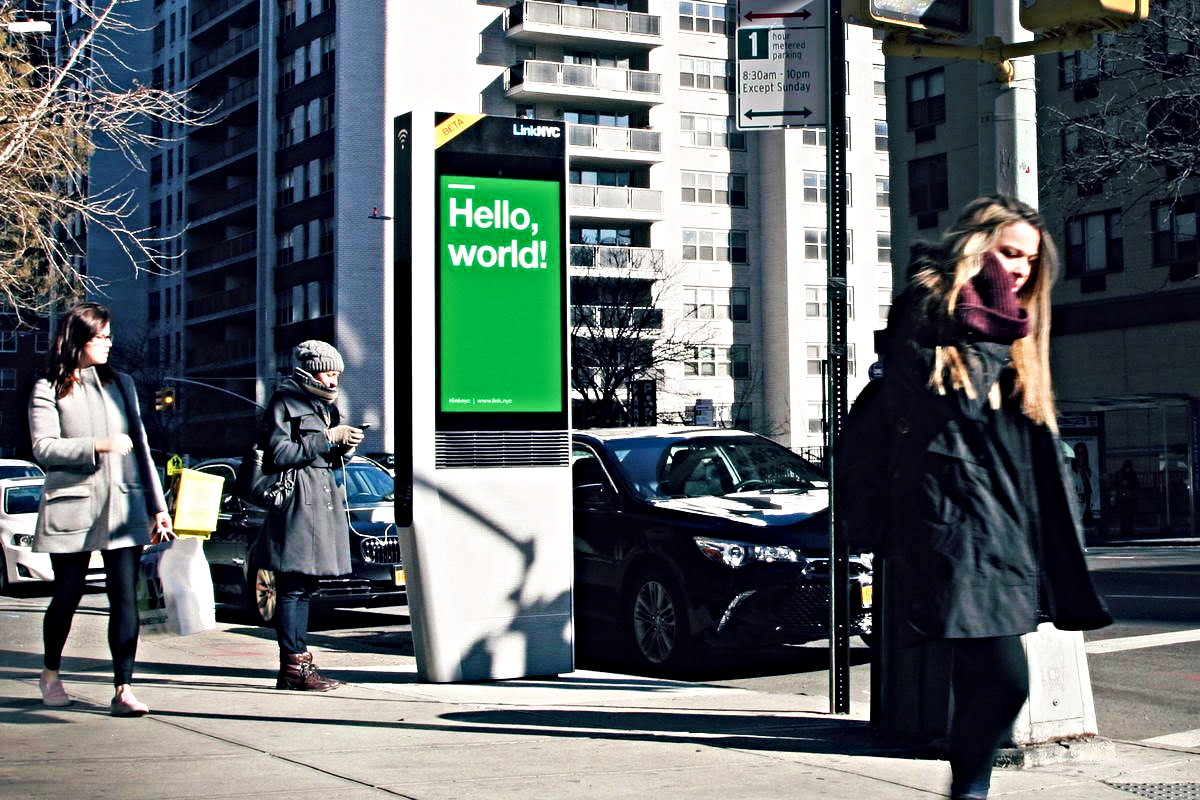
(807, 609)
(376, 550)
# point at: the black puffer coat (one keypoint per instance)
(310, 536)
(985, 539)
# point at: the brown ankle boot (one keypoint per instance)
(296, 671)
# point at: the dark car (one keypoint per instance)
(377, 572)
(703, 535)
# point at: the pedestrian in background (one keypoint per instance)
(101, 492)
(309, 538)
(1127, 487)
(986, 538)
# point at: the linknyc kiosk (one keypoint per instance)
(480, 251)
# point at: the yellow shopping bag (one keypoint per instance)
(197, 503)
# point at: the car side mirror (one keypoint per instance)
(592, 495)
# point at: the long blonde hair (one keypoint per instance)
(960, 257)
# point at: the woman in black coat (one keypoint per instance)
(308, 538)
(987, 541)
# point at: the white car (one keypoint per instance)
(19, 499)
(17, 468)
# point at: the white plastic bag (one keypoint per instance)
(185, 604)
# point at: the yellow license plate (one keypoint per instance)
(867, 591)
(398, 576)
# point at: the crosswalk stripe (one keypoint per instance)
(1182, 739)
(1122, 643)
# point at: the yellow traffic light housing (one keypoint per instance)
(164, 399)
(1077, 15)
(933, 17)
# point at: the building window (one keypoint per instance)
(287, 71)
(8, 379)
(815, 186)
(715, 188)
(706, 130)
(285, 193)
(8, 341)
(731, 304)
(325, 298)
(881, 136)
(816, 302)
(816, 244)
(877, 72)
(284, 310)
(816, 418)
(327, 116)
(326, 235)
(883, 247)
(327, 174)
(813, 137)
(287, 130)
(286, 251)
(718, 362)
(885, 303)
(1174, 225)
(1082, 66)
(156, 170)
(928, 187)
(328, 52)
(703, 17)
(704, 73)
(41, 342)
(1094, 243)
(883, 192)
(818, 354)
(926, 99)
(155, 307)
(709, 245)
(287, 15)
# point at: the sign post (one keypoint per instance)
(781, 63)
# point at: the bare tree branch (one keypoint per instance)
(61, 102)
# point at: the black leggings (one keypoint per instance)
(990, 682)
(120, 580)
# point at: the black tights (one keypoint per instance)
(70, 571)
(990, 683)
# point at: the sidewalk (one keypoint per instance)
(218, 730)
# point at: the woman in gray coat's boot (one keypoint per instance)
(986, 541)
(308, 538)
(101, 493)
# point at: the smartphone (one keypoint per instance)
(362, 426)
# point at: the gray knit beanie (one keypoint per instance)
(315, 356)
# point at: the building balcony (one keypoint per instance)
(236, 351)
(536, 22)
(228, 53)
(244, 144)
(605, 143)
(620, 317)
(228, 201)
(552, 81)
(222, 303)
(218, 9)
(619, 261)
(223, 252)
(615, 202)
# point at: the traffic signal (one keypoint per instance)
(935, 17)
(1083, 14)
(164, 399)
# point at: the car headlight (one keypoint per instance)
(737, 554)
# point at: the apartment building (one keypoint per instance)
(278, 205)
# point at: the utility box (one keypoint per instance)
(481, 261)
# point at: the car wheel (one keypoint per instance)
(656, 621)
(4, 585)
(260, 591)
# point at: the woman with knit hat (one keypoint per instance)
(985, 538)
(306, 540)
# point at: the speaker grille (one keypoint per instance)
(470, 449)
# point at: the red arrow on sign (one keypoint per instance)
(801, 14)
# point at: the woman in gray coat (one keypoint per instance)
(308, 538)
(101, 493)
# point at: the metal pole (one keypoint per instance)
(839, 557)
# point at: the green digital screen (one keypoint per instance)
(501, 322)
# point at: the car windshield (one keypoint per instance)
(658, 468)
(20, 471)
(367, 483)
(22, 499)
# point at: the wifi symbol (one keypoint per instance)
(403, 137)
